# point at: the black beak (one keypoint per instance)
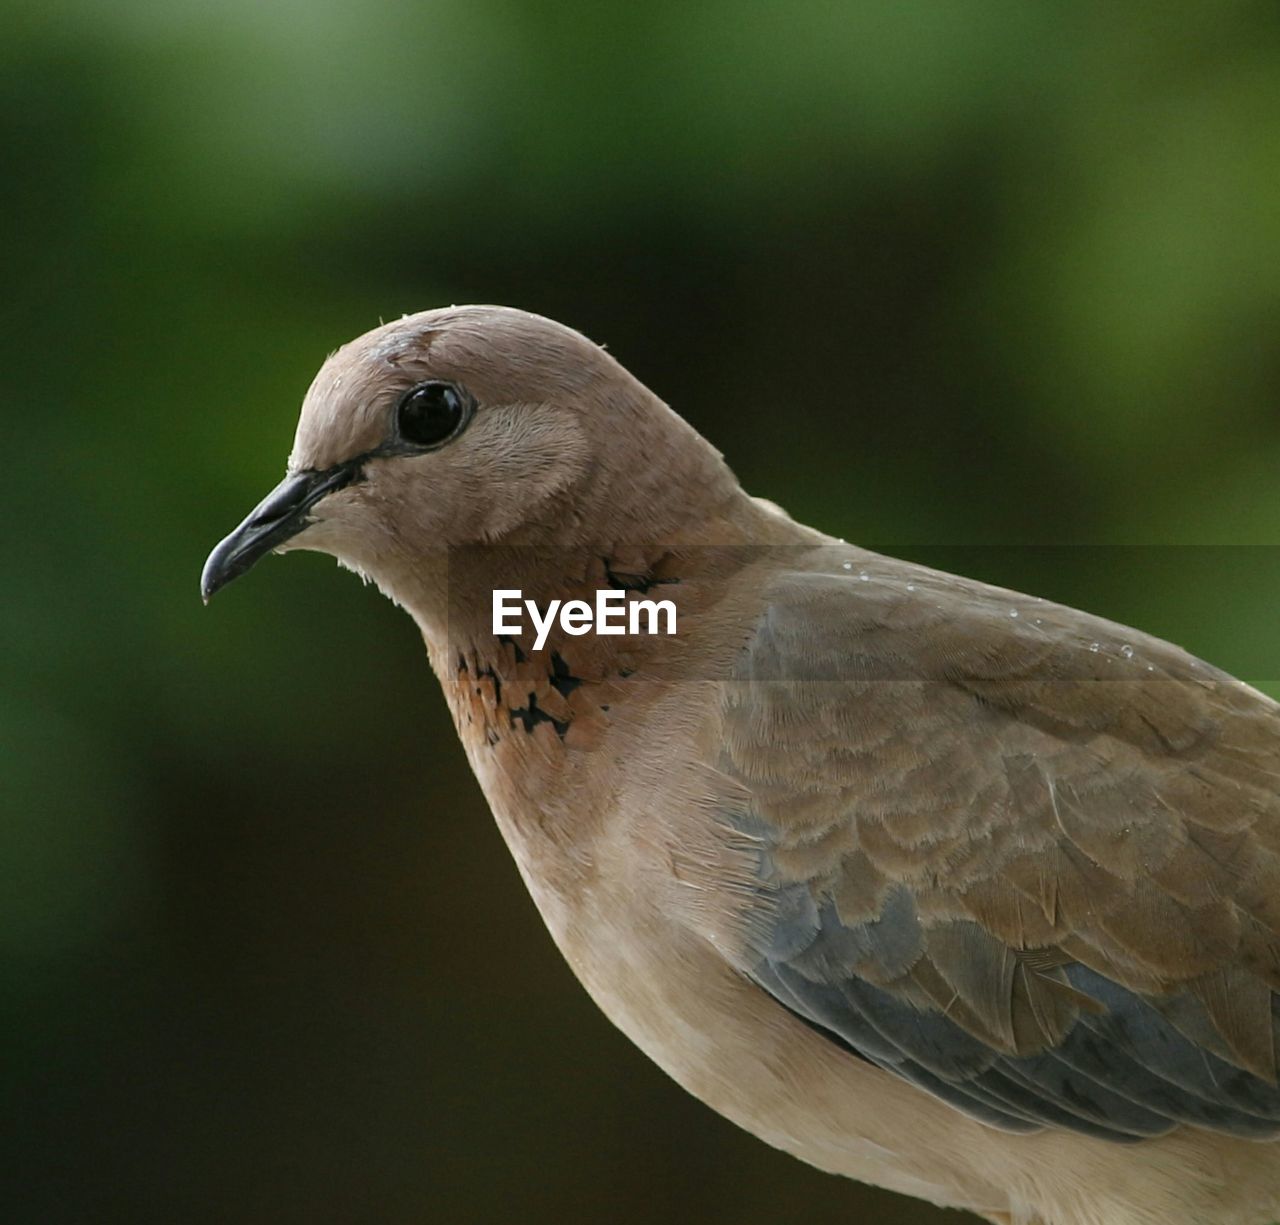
(281, 514)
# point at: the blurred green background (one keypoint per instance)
(947, 277)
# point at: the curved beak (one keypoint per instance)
(280, 515)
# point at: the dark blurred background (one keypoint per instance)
(983, 282)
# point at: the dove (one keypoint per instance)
(942, 887)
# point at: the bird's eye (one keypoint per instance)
(431, 413)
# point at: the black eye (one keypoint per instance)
(431, 413)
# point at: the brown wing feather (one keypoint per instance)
(1051, 790)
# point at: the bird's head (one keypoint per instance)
(469, 426)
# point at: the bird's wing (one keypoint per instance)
(1024, 857)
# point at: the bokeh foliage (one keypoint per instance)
(931, 272)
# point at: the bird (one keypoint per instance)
(945, 888)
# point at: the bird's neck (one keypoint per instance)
(688, 569)
(527, 712)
